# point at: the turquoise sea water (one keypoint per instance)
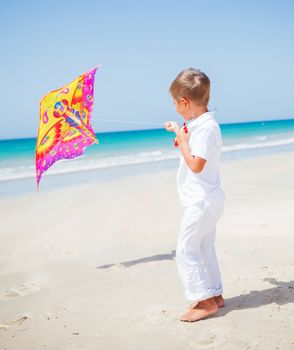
(145, 147)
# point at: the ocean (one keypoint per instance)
(118, 152)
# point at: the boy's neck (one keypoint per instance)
(197, 111)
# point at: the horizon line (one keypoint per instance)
(130, 130)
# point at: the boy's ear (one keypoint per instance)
(184, 101)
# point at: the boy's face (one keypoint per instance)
(183, 107)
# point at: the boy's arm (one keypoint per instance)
(195, 163)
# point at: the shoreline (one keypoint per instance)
(24, 186)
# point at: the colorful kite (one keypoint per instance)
(64, 128)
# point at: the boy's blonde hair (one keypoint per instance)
(192, 84)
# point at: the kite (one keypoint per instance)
(65, 123)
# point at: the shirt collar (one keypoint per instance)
(202, 118)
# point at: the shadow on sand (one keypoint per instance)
(282, 293)
(157, 257)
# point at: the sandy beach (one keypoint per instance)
(92, 266)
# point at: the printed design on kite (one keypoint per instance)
(65, 123)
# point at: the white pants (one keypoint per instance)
(195, 254)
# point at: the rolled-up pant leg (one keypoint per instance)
(211, 265)
(195, 257)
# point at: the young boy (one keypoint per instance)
(200, 193)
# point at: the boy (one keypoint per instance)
(200, 193)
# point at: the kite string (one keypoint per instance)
(137, 122)
(129, 121)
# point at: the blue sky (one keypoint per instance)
(245, 47)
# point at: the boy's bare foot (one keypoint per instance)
(203, 309)
(218, 299)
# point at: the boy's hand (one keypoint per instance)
(182, 136)
(172, 126)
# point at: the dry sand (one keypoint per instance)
(92, 266)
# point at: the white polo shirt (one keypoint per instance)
(205, 142)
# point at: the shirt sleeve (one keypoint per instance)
(204, 143)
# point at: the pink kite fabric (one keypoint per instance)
(65, 123)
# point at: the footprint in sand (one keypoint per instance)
(4, 327)
(72, 252)
(46, 316)
(18, 321)
(261, 227)
(23, 289)
(62, 252)
(5, 272)
(208, 342)
(96, 334)
(55, 314)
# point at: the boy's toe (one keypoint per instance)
(185, 317)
